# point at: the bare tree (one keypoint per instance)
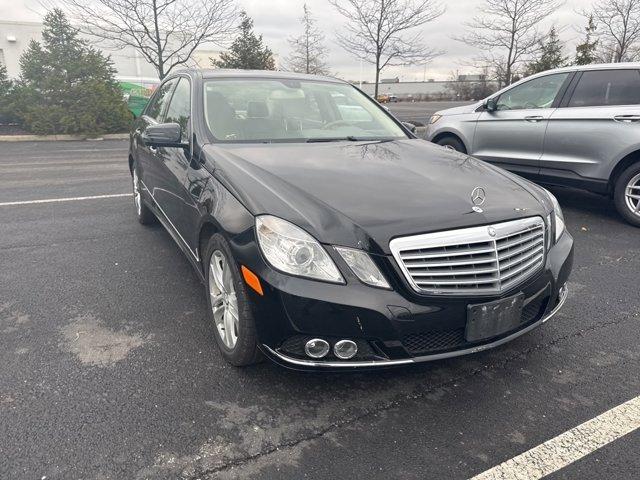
(308, 50)
(618, 28)
(507, 32)
(470, 89)
(378, 31)
(165, 32)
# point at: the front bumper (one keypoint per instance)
(562, 296)
(398, 327)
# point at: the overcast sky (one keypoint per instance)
(276, 20)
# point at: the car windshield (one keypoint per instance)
(281, 110)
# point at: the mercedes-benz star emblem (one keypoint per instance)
(492, 231)
(478, 196)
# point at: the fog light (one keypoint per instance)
(345, 349)
(316, 348)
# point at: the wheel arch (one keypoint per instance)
(624, 163)
(222, 213)
(448, 133)
(207, 230)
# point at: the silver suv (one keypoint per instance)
(574, 126)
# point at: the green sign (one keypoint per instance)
(137, 92)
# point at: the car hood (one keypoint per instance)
(363, 194)
(464, 109)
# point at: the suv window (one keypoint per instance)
(607, 87)
(179, 110)
(537, 93)
(159, 100)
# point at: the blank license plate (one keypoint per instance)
(491, 319)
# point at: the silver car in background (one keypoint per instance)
(574, 126)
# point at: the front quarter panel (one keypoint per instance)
(220, 207)
(463, 126)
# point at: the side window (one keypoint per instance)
(537, 93)
(159, 100)
(179, 110)
(607, 87)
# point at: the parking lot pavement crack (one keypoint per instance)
(416, 395)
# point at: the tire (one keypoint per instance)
(144, 213)
(243, 349)
(453, 143)
(628, 183)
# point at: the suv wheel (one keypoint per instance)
(229, 305)
(452, 143)
(627, 194)
(145, 215)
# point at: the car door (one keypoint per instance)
(147, 156)
(171, 193)
(512, 136)
(597, 124)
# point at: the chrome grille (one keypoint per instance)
(477, 260)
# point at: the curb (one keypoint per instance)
(61, 138)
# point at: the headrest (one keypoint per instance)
(257, 110)
(218, 104)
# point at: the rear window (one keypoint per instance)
(607, 87)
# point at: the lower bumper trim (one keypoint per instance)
(562, 297)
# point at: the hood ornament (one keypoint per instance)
(478, 197)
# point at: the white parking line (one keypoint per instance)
(68, 199)
(569, 446)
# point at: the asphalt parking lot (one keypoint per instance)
(420, 112)
(108, 367)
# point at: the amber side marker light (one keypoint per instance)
(252, 279)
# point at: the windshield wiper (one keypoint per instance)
(350, 138)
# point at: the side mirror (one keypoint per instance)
(163, 135)
(491, 104)
(409, 126)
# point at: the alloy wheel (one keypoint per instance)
(136, 193)
(224, 302)
(632, 195)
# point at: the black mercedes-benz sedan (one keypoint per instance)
(329, 236)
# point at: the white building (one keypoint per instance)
(15, 38)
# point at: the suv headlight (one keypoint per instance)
(557, 217)
(361, 264)
(434, 118)
(292, 250)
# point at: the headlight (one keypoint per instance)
(362, 265)
(292, 250)
(434, 119)
(557, 217)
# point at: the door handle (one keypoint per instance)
(534, 118)
(627, 118)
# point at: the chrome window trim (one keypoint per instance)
(470, 235)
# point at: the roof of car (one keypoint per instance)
(596, 66)
(235, 73)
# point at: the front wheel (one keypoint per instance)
(453, 143)
(229, 307)
(627, 194)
